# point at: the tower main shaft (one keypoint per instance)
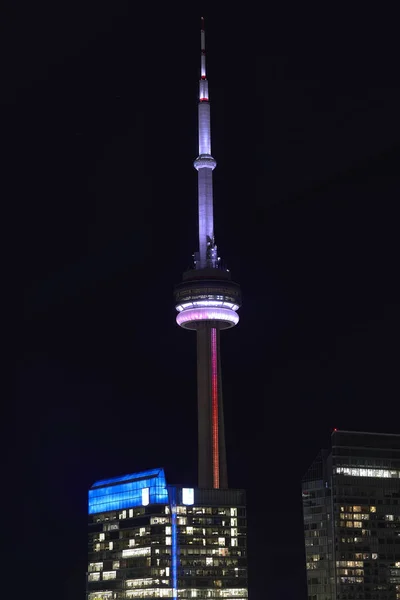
(207, 302)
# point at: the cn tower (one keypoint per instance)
(207, 302)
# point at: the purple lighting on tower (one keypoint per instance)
(207, 314)
(207, 302)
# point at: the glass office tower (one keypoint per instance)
(148, 539)
(351, 510)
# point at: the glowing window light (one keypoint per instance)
(214, 400)
(136, 552)
(207, 314)
(231, 592)
(148, 593)
(188, 496)
(145, 496)
(376, 473)
(213, 303)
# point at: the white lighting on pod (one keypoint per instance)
(207, 314)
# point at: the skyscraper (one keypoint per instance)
(150, 539)
(207, 302)
(351, 509)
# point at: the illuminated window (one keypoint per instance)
(140, 582)
(373, 509)
(110, 545)
(375, 556)
(142, 531)
(233, 522)
(109, 575)
(130, 513)
(233, 531)
(102, 537)
(145, 496)
(136, 552)
(209, 561)
(187, 496)
(230, 593)
(95, 566)
(389, 517)
(149, 593)
(167, 571)
(360, 472)
(94, 577)
(233, 512)
(356, 508)
(131, 543)
(167, 541)
(234, 542)
(221, 541)
(168, 530)
(189, 530)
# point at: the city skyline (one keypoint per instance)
(307, 150)
(151, 539)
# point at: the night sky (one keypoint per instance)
(100, 130)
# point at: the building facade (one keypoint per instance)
(351, 511)
(148, 539)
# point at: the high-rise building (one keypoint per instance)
(351, 510)
(150, 539)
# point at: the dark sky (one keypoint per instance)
(100, 115)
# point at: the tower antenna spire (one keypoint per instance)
(205, 164)
(203, 50)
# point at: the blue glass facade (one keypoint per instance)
(126, 491)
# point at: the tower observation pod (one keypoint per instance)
(207, 302)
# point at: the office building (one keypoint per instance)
(148, 539)
(351, 510)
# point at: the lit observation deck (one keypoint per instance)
(201, 298)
